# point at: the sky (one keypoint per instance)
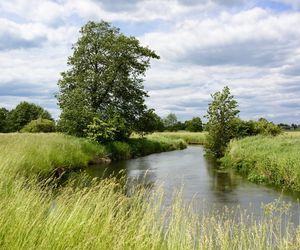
(252, 46)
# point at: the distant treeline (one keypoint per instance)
(26, 117)
(170, 123)
(292, 126)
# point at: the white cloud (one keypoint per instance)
(252, 37)
(204, 46)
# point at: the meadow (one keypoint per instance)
(188, 137)
(267, 159)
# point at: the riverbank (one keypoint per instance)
(189, 137)
(89, 214)
(40, 154)
(269, 160)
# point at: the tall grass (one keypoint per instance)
(188, 137)
(136, 147)
(271, 160)
(90, 214)
(39, 154)
(101, 216)
(32, 154)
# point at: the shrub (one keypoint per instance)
(250, 128)
(267, 128)
(38, 126)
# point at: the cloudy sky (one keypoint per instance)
(253, 46)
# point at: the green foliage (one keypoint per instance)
(267, 128)
(149, 122)
(109, 130)
(119, 150)
(250, 128)
(170, 121)
(32, 154)
(267, 159)
(244, 128)
(101, 131)
(194, 125)
(39, 125)
(3, 120)
(23, 114)
(188, 137)
(105, 77)
(221, 114)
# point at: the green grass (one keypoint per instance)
(188, 137)
(102, 217)
(90, 214)
(270, 160)
(32, 154)
(39, 154)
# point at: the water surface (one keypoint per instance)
(199, 179)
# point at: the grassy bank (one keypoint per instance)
(188, 137)
(32, 154)
(270, 160)
(85, 214)
(102, 217)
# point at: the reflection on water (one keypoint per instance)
(199, 178)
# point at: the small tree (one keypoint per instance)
(221, 114)
(194, 125)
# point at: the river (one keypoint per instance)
(200, 181)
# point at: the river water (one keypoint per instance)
(199, 180)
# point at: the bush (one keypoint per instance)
(250, 128)
(38, 126)
(265, 127)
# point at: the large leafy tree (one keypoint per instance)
(24, 113)
(104, 79)
(222, 113)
